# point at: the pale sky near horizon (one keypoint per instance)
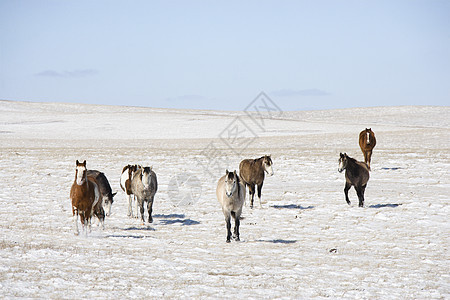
(220, 55)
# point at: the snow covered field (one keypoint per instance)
(305, 242)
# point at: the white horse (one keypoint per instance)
(231, 195)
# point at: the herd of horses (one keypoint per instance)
(91, 193)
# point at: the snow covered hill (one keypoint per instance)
(305, 242)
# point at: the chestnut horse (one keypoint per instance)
(367, 142)
(252, 171)
(84, 196)
(356, 175)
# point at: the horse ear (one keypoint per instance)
(77, 162)
(226, 172)
(84, 163)
(234, 173)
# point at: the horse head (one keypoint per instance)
(369, 134)
(146, 176)
(80, 173)
(267, 164)
(108, 203)
(342, 162)
(231, 183)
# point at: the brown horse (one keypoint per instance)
(252, 171)
(84, 196)
(356, 175)
(367, 142)
(125, 183)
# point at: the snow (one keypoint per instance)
(305, 242)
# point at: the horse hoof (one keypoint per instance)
(228, 241)
(237, 239)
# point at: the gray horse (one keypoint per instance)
(144, 186)
(356, 174)
(231, 195)
(252, 173)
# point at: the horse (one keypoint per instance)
(252, 171)
(356, 175)
(106, 194)
(125, 183)
(84, 195)
(144, 186)
(231, 195)
(367, 142)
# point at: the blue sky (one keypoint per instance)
(221, 55)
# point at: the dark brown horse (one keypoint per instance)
(84, 195)
(356, 175)
(367, 142)
(106, 194)
(252, 171)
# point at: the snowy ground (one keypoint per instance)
(304, 243)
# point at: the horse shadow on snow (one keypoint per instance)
(393, 205)
(292, 206)
(176, 219)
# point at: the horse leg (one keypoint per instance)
(137, 206)
(236, 226)
(251, 192)
(346, 188)
(259, 193)
(360, 192)
(75, 218)
(130, 206)
(141, 207)
(228, 222)
(245, 191)
(369, 156)
(100, 214)
(150, 209)
(83, 222)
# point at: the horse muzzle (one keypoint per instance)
(340, 170)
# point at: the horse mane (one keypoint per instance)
(351, 159)
(238, 180)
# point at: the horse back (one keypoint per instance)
(101, 181)
(251, 172)
(363, 141)
(358, 175)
